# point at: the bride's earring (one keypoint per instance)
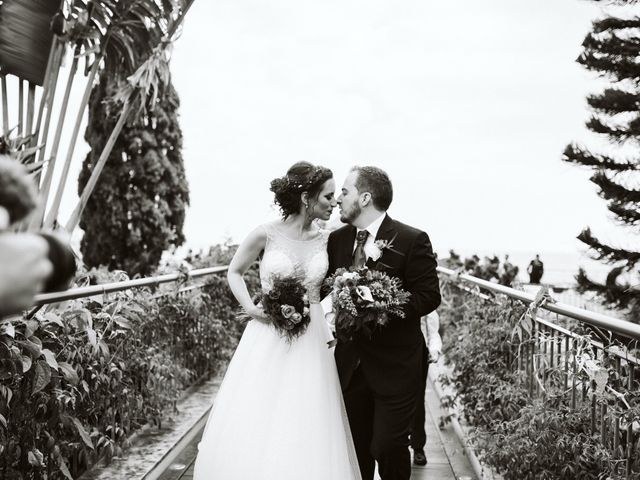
(307, 209)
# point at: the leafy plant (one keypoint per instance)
(77, 380)
(549, 443)
(528, 427)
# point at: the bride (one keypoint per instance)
(279, 413)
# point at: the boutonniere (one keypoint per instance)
(379, 246)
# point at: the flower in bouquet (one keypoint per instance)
(363, 300)
(287, 305)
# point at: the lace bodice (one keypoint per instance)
(304, 259)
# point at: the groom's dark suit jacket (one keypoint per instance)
(391, 359)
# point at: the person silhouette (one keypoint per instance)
(535, 270)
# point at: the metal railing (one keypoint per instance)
(615, 325)
(84, 292)
(549, 348)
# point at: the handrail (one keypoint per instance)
(83, 292)
(615, 325)
(621, 327)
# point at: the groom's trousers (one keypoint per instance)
(380, 425)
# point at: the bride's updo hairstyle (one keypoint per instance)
(301, 177)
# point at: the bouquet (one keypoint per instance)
(363, 300)
(287, 305)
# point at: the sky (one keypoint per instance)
(467, 105)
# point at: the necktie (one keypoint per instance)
(359, 257)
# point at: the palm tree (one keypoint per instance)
(111, 37)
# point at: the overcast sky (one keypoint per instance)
(468, 106)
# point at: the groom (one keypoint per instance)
(381, 375)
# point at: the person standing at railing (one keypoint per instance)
(535, 270)
(509, 272)
(430, 325)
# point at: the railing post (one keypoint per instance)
(552, 357)
(603, 424)
(616, 437)
(573, 376)
(629, 448)
(543, 359)
(593, 407)
(566, 362)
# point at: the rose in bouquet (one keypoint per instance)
(363, 300)
(287, 305)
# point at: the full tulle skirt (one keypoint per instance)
(279, 413)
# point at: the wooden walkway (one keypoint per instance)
(445, 455)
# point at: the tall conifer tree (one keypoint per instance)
(611, 49)
(137, 209)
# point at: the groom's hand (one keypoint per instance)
(434, 356)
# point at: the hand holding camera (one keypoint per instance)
(30, 263)
(24, 269)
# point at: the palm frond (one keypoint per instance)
(26, 37)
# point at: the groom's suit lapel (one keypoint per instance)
(385, 232)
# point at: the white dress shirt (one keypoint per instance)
(373, 232)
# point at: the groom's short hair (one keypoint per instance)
(375, 181)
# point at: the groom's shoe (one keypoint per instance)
(419, 458)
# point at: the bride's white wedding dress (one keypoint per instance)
(279, 413)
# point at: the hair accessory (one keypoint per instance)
(312, 178)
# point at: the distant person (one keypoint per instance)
(507, 264)
(491, 266)
(535, 270)
(472, 266)
(454, 261)
(430, 326)
(509, 272)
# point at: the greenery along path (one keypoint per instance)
(446, 456)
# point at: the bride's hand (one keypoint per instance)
(257, 313)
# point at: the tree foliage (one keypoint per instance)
(137, 209)
(611, 49)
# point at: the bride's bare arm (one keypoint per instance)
(246, 254)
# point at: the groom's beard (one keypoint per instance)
(349, 216)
